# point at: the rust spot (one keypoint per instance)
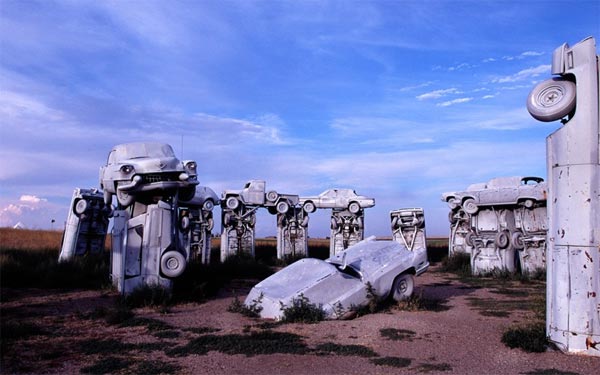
(574, 333)
(589, 343)
(561, 233)
(592, 294)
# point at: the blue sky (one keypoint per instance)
(400, 100)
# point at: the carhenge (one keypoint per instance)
(573, 167)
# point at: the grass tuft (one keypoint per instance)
(302, 311)
(397, 334)
(530, 338)
(346, 350)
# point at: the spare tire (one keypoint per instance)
(552, 99)
(172, 264)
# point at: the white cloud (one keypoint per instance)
(488, 96)
(33, 212)
(438, 93)
(454, 101)
(524, 74)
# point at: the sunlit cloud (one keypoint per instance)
(454, 101)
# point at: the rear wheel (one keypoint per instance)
(208, 205)
(232, 203)
(470, 207)
(283, 207)
(403, 287)
(354, 207)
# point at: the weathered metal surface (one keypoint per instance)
(135, 168)
(492, 220)
(460, 227)
(573, 165)
(86, 225)
(143, 249)
(196, 238)
(292, 233)
(339, 199)
(339, 284)
(347, 229)
(238, 233)
(408, 227)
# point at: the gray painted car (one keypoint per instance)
(340, 283)
(337, 198)
(515, 190)
(133, 168)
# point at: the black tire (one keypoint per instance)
(552, 99)
(470, 206)
(172, 264)
(403, 287)
(354, 207)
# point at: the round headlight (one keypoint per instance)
(191, 165)
(127, 168)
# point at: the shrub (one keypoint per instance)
(302, 311)
(530, 338)
(459, 263)
(252, 311)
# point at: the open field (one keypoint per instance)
(454, 324)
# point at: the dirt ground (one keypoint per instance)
(458, 331)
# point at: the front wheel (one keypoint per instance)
(552, 99)
(309, 207)
(80, 207)
(403, 287)
(124, 199)
(283, 207)
(208, 205)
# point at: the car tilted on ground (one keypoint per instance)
(342, 283)
(526, 191)
(337, 198)
(134, 168)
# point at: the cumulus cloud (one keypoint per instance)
(438, 93)
(524, 74)
(31, 212)
(454, 101)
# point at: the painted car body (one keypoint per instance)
(337, 198)
(340, 283)
(133, 168)
(499, 191)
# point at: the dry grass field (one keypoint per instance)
(66, 319)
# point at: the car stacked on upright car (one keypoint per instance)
(135, 168)
(337, 198)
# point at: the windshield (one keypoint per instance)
(140, 150)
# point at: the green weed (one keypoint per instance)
(302, 311)
(530, 338)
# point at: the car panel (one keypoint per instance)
(338, 283)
